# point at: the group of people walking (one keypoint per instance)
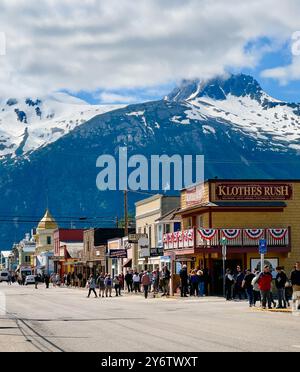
(133, 281)
(257, 286)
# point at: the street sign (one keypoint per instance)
(143, 247)
(134, 238)
(263, 246)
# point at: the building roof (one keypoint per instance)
(171, 216)
(6, 254)
(235, 204)
(47, 222)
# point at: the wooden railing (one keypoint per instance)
(275, 237)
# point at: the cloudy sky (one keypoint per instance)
(127, 51)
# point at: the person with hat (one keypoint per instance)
(184, 281)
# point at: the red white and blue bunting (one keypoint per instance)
(188, 235)
(179, 236)
(165, 238)
(207, 234)
(278, 234)
(231, 234)
(254, 234)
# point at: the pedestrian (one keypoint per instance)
(238, 289)
(68, 279)
(256, 290)
(295, 280)
(36, 281)
(229, 284)
(265, 284)
(155, 280)
(47, 281)
(108, 285)
(146, 282)
(183, 281)
(280, 282)
(92, 286)
(136, 282)
(201, 283)
(116, 284)
(101, 284)
(129, 281)
(166, 276)
(247, 285)
(194, 282)
(73, 279)
(121, 280)
(80, 277)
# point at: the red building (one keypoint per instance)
(68, 246)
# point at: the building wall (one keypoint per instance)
(204, 197)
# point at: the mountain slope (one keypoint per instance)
(27, 124)
(64, 172)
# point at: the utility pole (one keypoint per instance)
(126, 212)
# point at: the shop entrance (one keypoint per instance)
(217, 274)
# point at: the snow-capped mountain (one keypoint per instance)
(27, 124)
(241, 101)
(240, 130)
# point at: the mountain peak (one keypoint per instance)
(218, 88)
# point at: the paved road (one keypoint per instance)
(61, 319)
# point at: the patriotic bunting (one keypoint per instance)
(207, 234)
(254, 234)
(191, 235)
(231, 234)
(278, 234)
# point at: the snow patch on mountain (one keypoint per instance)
(27, 124)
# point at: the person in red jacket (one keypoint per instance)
(265, 286)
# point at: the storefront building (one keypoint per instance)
(148, 211)
(68, 245)
(237, 214)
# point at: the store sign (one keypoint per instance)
(156, 252)
(134, 238)
(118, 253)
(194, 195)
(143, 247)
(253, 191)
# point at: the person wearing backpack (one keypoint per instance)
(146, 282)
(101, 284)
(247, 285)
(108, 285)
(280, 282)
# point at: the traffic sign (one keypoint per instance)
(263, 246)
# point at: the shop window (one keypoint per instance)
(199, 221)
(167, 228)
(177, 226)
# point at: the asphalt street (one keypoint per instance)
(62, 319)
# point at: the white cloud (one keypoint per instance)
(108, 44)
(107, 97)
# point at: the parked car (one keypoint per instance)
(4, 276)
(30, 279)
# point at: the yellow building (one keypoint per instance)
(241, 213)
(148, 211)
(44, 238)
(44, 233)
